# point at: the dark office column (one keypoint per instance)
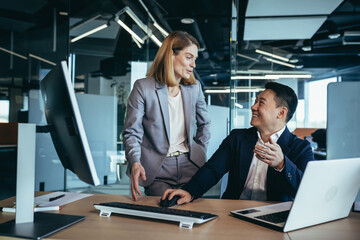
(42, 186)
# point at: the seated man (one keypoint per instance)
(265, 162)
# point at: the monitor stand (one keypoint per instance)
(28, 224)
(44, 224)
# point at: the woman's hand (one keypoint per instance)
(137, 171)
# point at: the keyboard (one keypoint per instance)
(186, 218)
(277, 217)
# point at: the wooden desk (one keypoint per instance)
(224, 227)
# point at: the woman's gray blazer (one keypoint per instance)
(146, 129)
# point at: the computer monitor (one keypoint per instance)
(69, 138)
(65, 124)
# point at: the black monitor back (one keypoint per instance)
(65, 124)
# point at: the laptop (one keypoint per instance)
(326, 193)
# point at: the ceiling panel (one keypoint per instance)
(24, 6)
(15, 25)
(257, 8)
(107, 33)
(285, 28)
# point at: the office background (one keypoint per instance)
(243, 44)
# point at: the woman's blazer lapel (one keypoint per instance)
(161, 92)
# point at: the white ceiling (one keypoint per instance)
(258, 8)
(286, 19)
(282, 28)
(107, 33)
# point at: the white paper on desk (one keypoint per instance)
(69, 197)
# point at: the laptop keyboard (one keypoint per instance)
(277, 217)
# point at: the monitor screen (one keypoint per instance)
(65, 124)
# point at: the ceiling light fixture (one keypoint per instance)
(333, 30)
(143, 26)
(136, 19)
(294, 60)
(163, 31)
(236, 90)
(86, 21)
(268, 72)
(252, 77)
(42, 59)
(89, 32)
(187, 20)
(247, 57)
(13, 53)
(238, 105)
(351, 38)
(290, 75)
(136, 42)
(334, 35)
(139, 23)
(155, 40)
(272, 55)
(124, 26)
(279, 62)
(306, 48)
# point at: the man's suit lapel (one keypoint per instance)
(161, 92)
(284, 140)
(274, 180)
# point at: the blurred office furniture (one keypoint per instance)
(307, 134)
(118, 164)
(319, 137)
(304, 132)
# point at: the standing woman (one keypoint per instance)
(163, 146)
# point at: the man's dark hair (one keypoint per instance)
(285, 97)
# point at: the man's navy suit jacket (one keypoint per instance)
(235, 155)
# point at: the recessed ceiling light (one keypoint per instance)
(294, 60)
(272, 55)
(238, 105)
(187, 21)
(306, 48)
(334, 35)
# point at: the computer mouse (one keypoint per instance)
(169, 203)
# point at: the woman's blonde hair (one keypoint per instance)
(162, 68)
